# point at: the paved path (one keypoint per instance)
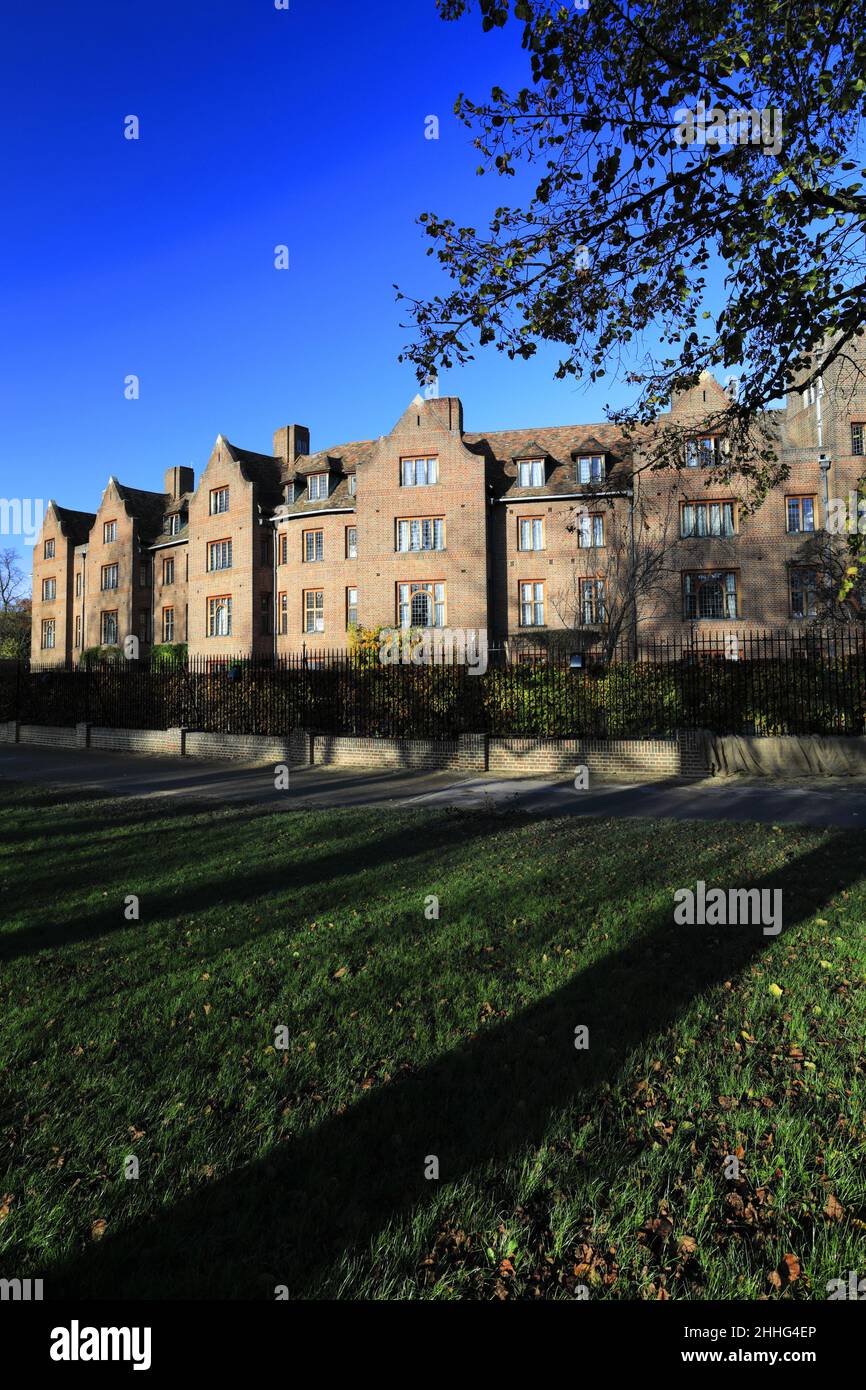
(823, 802)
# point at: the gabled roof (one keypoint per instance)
(74, 525)
(347, 455)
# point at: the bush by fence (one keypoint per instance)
(778, 684)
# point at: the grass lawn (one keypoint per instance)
(410, 1036)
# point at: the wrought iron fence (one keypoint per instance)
(765, 683)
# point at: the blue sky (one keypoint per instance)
(155, 257)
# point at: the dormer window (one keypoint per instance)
(530, 473)
(318, 486)
(353, 485)
(590, 468)
(172, 524)
(705, 451)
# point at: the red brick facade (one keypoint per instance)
(514, 532)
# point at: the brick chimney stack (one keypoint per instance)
(178, 481)
(290, 442)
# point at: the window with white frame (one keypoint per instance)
(314, 610)
(530, 533)
(352, 607)
(317, 486)
(219, 500)
(590, 468)
(109, 532)
(421, 533)
(532, 603)
(704, 451)
(590, 530)
(48, 633)
(592, 607)
(421, 604)
(314, 546)
(49, 588)
(168, 624)
(219, 616)
(710, 594)
(530, 473)
(857, 430)
(351, 542)
(422, 472)
(48, 550)
(108, 628)
(800, 513)
(219, 555)
(353, 485)
(109, 577)
(283, 613)
(699, 519)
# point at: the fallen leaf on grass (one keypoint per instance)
(788, 1272)
(97, 1230)
(834, 1210)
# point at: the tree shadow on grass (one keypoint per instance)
(291, 1217)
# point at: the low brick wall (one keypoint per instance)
(617, 759)
(251, 748)
(332, 750)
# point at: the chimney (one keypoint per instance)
(290, 442)
(179, 480)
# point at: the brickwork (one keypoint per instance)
(507, 531)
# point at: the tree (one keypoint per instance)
(14, 609)
(637, 200)
(635, 570)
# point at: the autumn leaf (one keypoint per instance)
(97, 1230)
(834, 1210)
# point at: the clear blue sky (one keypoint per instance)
(257, 127)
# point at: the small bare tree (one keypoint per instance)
(633, 568)
(14, 608)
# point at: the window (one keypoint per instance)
(143, 625)
(48, 630)
(168, 571)
(530, 473)
(800, 513)
(314, 546)
(283, 612)
(421, 604)
(704, 451)
(219, 555)
(108, 628)
(590, 530)
(532, 603)
(351, 608)
(804, 593)
(592, 607)
(143, 575)
(421, 533)
(265, 613)
(109, 532)
(530, 533)
(78, 584)
(49, 588)
(318, 486)
(857, 428)
(78, 630)
(353, 485)
(710, 594)
(219, 616)
(314, 610)
(171, 525)
(168, 624)
(708, 519)
(419, 472)
(351, 542)
(590, 468)
(109, 577)
(284, 548)
(219, 500)
(48, 550)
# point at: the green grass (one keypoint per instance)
(411, 1036)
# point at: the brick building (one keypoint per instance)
(522, 533)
